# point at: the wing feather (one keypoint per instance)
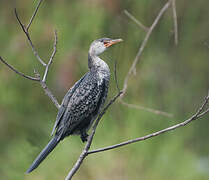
(64, 104)
(84, 104)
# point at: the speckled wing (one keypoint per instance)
(64, 104)
(83, 105)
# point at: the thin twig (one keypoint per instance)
(33, 16)
(52, 56)
(197, 115)
(49, 94)
(115, 76)
(136, 60)
(18, 72)
(88, 144)
(203, 113)
(175, 22)
(38, 77)
(136, 21)
(155, 111)
(29, 39)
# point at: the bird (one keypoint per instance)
(83, 102)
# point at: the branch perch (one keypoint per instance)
(197, 115)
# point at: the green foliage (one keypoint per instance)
(169, 78)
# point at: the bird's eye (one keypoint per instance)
(107, 43)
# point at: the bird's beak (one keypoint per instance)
(111, 42)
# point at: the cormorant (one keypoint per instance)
(83, 102)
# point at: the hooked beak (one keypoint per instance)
(111, 42)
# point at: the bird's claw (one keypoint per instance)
(84, 137)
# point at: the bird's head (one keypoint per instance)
(100, 45)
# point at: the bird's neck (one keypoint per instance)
(95, 63)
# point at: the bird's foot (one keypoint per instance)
(84, 137)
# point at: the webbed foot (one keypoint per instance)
(84, 137)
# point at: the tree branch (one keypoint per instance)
(33, 16)
(137, 58)
(38, 77)
(51, 58)
(136, 20)
(155, 111)
(18, 72)
(115, 76)
(197, 115)
(25, 30)
(175, 22)
(49, 94)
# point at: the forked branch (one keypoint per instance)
(132, 69)
(38, 78)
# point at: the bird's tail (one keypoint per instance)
(44, 153)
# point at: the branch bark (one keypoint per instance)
(200, 112)
(38, 78)
(137, 59)
(175, 22)
(18, 72)
(25, 30)
(136, 21)
(144, 43)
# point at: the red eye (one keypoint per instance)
(106, 44)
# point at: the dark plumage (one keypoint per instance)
(83, 102)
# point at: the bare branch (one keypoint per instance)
(52, 56)
(136, 20)
(38, 77)
(29, 39)
(49, 94)
(175, 22)
(115, 76)
(18, 72)
(88, 144)
(33, 16)
(158, 112)
(136, 60)
(203, 113)
(197, 115)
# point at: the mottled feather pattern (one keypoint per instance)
(65, 103)
(83, 105)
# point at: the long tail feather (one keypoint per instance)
(44, 153)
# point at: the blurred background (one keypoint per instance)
(170, 78)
